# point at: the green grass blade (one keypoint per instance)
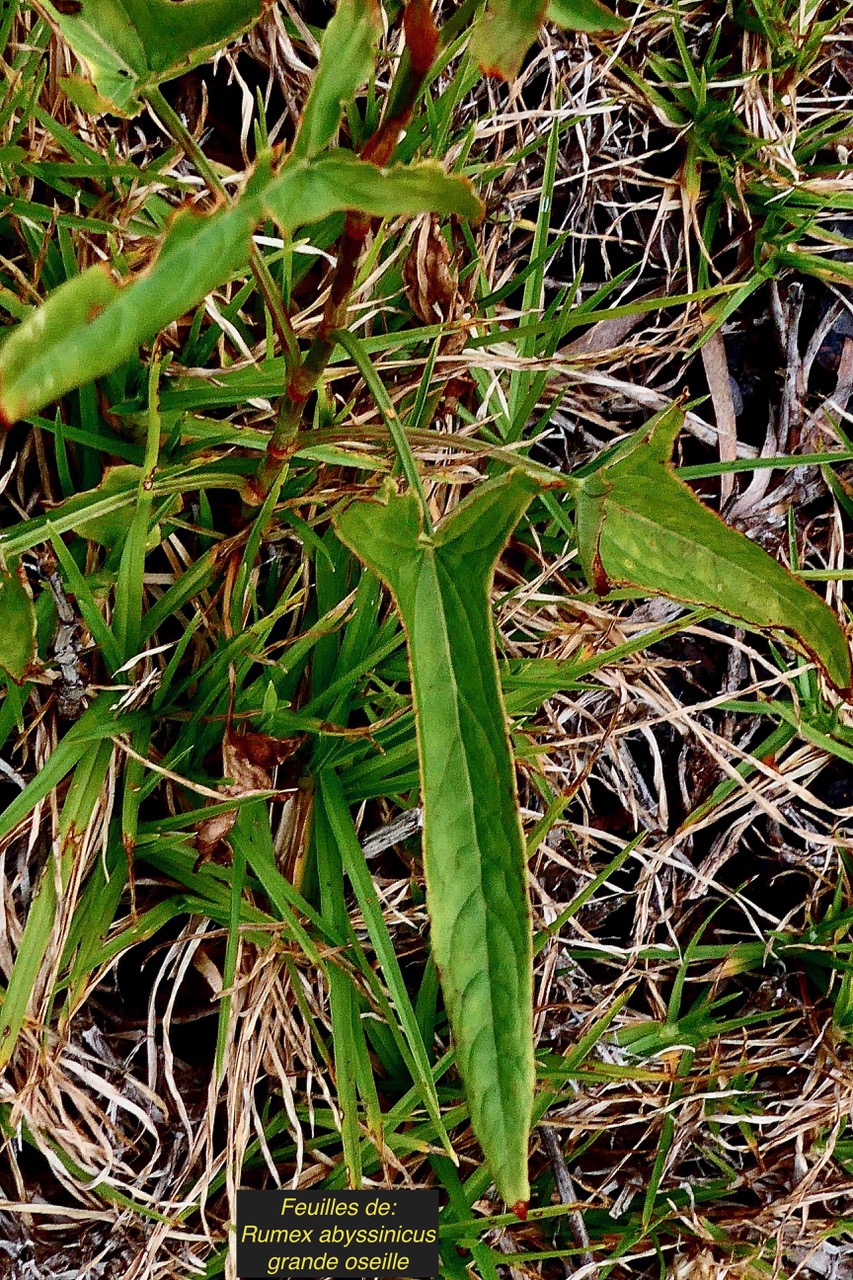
(343, 1001)
(330, 795)
(346, 61)
(83, 794)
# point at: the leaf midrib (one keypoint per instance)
(429, 558)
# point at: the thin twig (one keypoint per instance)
(790, 410)
(566, 1192)
(401, 828)
(73, 686)
(14, 776)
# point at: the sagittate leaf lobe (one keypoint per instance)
(640, 527)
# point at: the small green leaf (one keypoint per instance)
(584, 15)
(109, 527)
(84, 95)
(474, 858)
(17, 624)
(505, 33)
(130, 46)
(639, 526)
(346, 61)
(308, 191)
(509, 28)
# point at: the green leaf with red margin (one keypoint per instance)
(640, 527)
(504, 34)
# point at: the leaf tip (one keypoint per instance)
(497, 73)
(8, 416)
(503, 37)
(520, 1209)
(478, 208)
(841, 678)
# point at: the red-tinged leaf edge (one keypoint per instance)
(603, 580)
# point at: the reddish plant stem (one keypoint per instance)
(422, 44)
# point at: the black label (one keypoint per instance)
(337, 1233)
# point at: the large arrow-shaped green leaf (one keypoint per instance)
(474, 859)
(639, 526)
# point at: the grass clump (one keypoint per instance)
(218, 743)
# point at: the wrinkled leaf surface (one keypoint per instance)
(308, 191)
